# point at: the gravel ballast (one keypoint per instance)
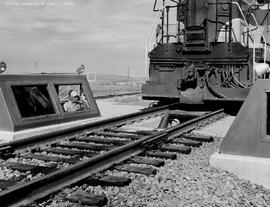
(187, 181)
(190, 181)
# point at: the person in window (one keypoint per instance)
(75, 103)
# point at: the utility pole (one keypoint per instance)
(128, 75)
(35, 66)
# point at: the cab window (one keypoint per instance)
(33, 100)
(72, 97)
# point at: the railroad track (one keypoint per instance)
(76, 155)
(117, 95)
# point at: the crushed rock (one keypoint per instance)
(216, 129)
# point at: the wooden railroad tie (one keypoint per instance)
(162, 155)
(134, 169)
(88, 199)
(201, 138)
(108, 180)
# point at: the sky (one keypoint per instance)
(107, 36)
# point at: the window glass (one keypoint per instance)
(72, 97)
(33, 100)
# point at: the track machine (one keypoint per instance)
(207, 50)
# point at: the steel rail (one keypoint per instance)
(117, 95)
(79, 128)
(24, 194)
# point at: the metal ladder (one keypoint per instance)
(181, 17)
(226, 14)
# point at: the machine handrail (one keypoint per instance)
(265, 49)
(239, 8)
(245, 20)
(149, 38)
(154, 7)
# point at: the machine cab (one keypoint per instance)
(37, 101)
